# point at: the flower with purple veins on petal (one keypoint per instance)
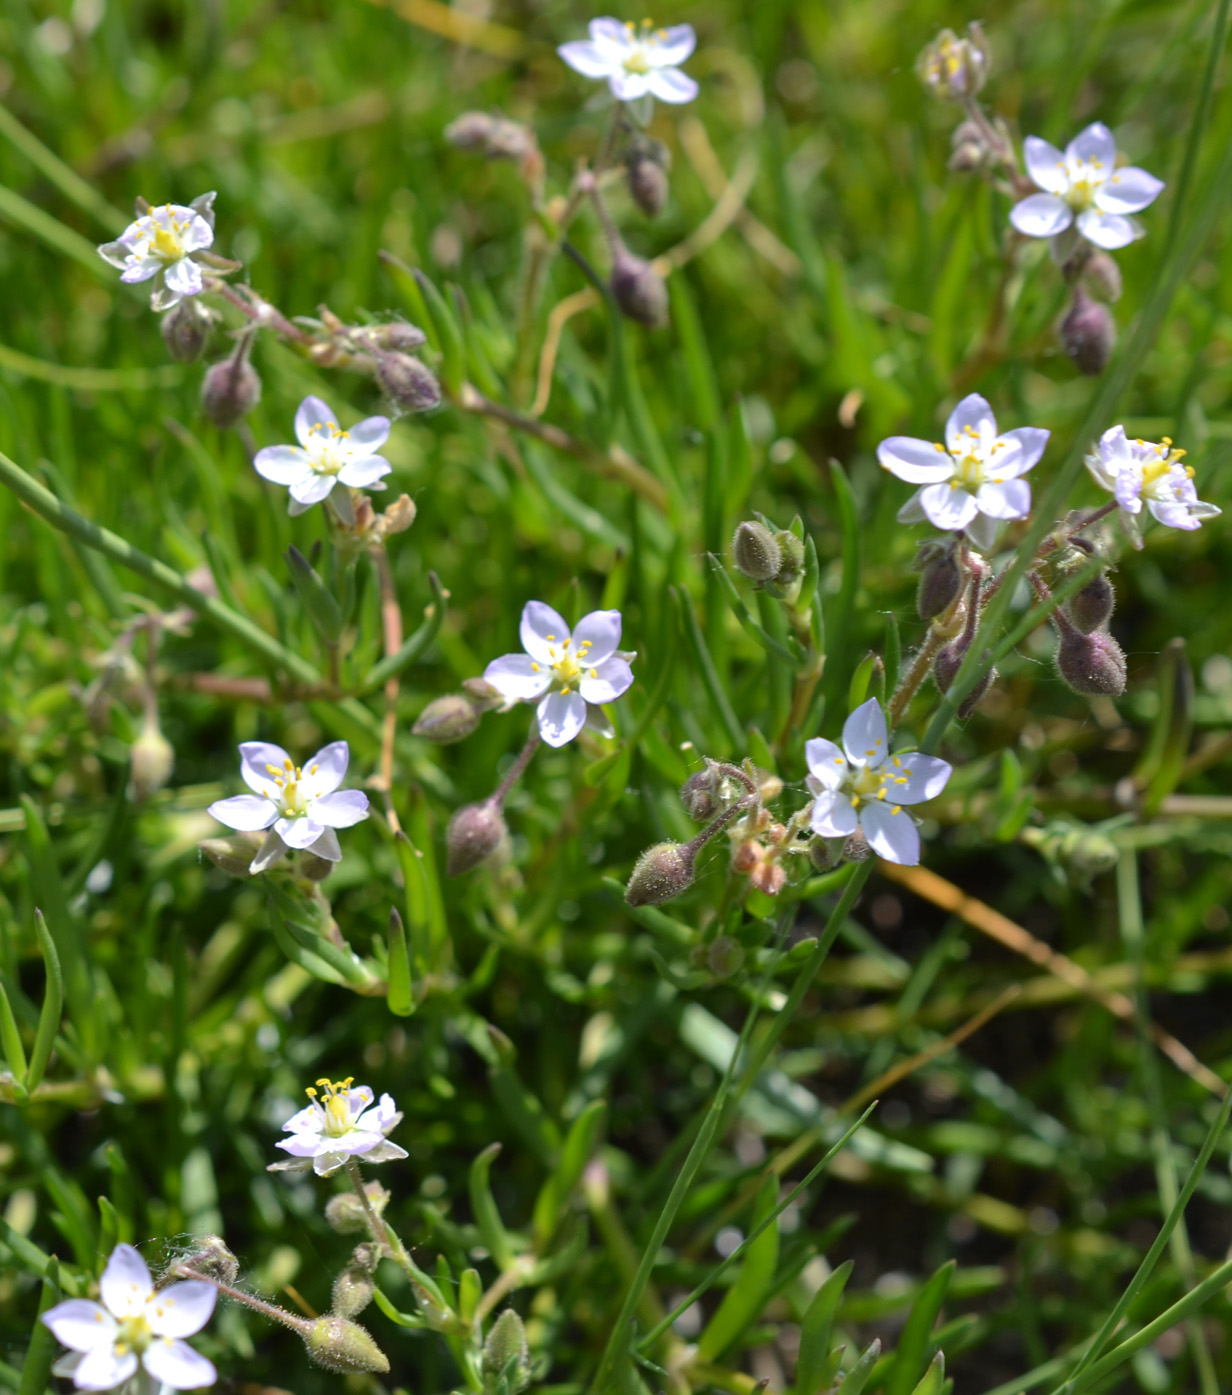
(1084, 189)
(570, 675)
(134, 1328)
(326, 455)
(300, 805)
(636, 61)
(162, 243)
(972, 481)
(340, 1123)
(862, 786)
(1146, 470)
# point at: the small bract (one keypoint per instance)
(973, 480)
(569, 675)
(341, 1122)
(133, 1327)
(161, 244)
(326, 455)
(863, 787)
(300, 805)
(636, 61)
(1137, 470)
(1083, 189)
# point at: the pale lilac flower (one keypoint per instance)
(1084, 188)
(570, 675)
(326, 455)
(863, 786)
(300, 805)
(972, 481)
(133, 1327)
(1146, 470)
(635, 61)
(342, 1123)
(162, 244)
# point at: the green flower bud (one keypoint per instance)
(345, 1215)
(659, 874)
(448, 719)
(756, 552)
(152, 760)
(506, 1356)
(1103, 276)
(792, 564)
(725, 956)
(639, 290)
(312, 867)
(344, 1346)
(352, 1293)
(211, 1258)
(1088, 334)
(475, 832)
(410, 385)
(955, 69)
(1092, 665)
(233, 853)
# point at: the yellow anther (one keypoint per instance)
(534, 667)
(897, 809)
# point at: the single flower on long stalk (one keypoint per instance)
(635, 60)
(1150, 472)
(326, 455)
(163, 244)
(339, 1123)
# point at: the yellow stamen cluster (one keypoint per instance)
(134, 1335)
(569, 668)
(336, 1103)
(287, 782)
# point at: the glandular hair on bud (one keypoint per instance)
(345, 1215)
(211, 1258)
(186, 330)
(230, 391)
(756, 552)
(411, 386)
(506, 1355)
(352, 1292)
(475, 832)
(639, 290)
(659, 874)
(792, 564)
(232, 854)
(1093, 665)
(344, 1346)
(448, 719)
(945, 670)
(1088, 334)
(700, 795)
(1091, 608)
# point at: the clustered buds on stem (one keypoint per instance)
(767, 556)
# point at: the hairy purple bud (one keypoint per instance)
(941, 583)
(756, 552)
(700, 795)
(646, 167)
(411, 386)
(945, 670)
(1088, 334)
(659, 874)
(1093, 665)
(186, 330)
(1091, 608)
(475, 832)
(211, 1258)
(230, 391)
(639, 290)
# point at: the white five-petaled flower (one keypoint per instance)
(1083, 188)
(326, 455)
(340, 1123)
(161, 243)
(570, 675)
(133, 1327)
(636, 61)
(300, 805)
(863, 786)
(1152, 471)
(974, 479)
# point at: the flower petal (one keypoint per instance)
(246, 813)
(611, 35)
(368, 435)
(596, 721)
(517, 677)
(1041, 215)
(970, 422)
(81, 1325)
(892, 835)
(1173, 514)
(385, 1151)
(184, 277)
(601, 631)
(313, 489)
(913, 460)
(914, 777)
(1094, 146)
(182, 1309)
(561, 717)
(948, 509)
(363, 472)
(671, 85)
(310, 1119)
(327, 769)
(587, 58)
(268, 853)
(327, 847)
(315, 413)
(1010, 499)
(282, 464)
(115, 253)
(326, 1164)
(126, 1283)
(299, 833)
(136, 271)
(982, 532)
(913, 510)
(102, 1369)
(1106, 230)
(1045, 164)
(825, 761)
(543, 631)
(628, 87)
(1031, 442)
(672, 46)
(1128, 191)
(256, 757)
(341, 810)
(176, 1364)
(611, 680)
(301, 1145)
(833, 815)
(864, 734)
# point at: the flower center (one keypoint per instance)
(569, 665)
(325, 460)
(287, 793)
(134, 1335)
(1086, 179)
(1156, 472)
(336, 1103)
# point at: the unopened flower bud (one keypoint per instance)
(646, 166)
(1091, 608)
(506, 1355)
(768, 877)
(211, 1259)
(448, 719)
(945, 670)
(941, 582)
(725, 956)
(232, 854)
(856, 848)
(756, 552)
(746, 855)
(152, 760)
(313, 867)
(186, 330)
(352, 1292)
(470, 131)
(230, 391)
(483, 693)
(1103, 276)
(700, 795)
(345, 1215)
(410, 385)
(822, 853)
(639, 290)
(344, 1346)
(659, 874)
(366, 1257)
(953, 68)
(1091, 664)
(475, 832)
(968, 148)
(1088, 334)
(793, 557)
